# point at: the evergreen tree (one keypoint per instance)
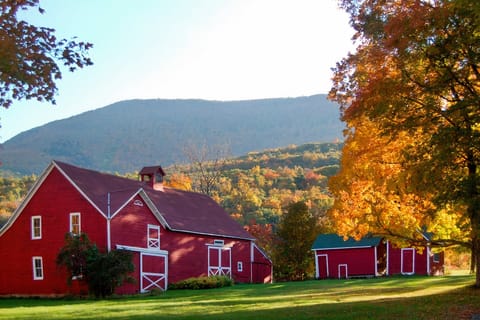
(296, 232)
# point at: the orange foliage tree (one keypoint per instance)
(415, 80)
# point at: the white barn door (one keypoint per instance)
(219, 261)
(153, 271)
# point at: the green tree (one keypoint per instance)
(30, 56)
(103, 272)
(416, 72)
(295, 234)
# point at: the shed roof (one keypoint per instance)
(334, 241)
(180, 210)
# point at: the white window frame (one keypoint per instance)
(436, 257)
(153, 243)
(72, 215)
(36, 268)
(219, 242)
(33, 229)
(239, 266)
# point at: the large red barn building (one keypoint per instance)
(371, 257)
(172, 234)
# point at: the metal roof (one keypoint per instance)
(181, 210)
(334, 241)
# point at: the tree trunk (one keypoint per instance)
(473, 260)
(473, 210)
(476, 253)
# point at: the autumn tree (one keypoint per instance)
(415, 73)
(295, 234)
(263, 233)
(30, 56)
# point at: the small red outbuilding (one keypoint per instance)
(172, 234)
(371, 257)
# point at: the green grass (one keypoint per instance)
(450, 297)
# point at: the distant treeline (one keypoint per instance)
(254, 188)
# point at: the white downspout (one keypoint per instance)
(428, 261)
(109, 240)
(251, 260)
(388, 258)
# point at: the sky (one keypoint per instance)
(182, 49)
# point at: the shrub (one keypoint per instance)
(203, 283)
(102, 271)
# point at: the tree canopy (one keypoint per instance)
(296, 232)
(414, 79)
(30, 56)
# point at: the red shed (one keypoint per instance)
(172, 234)
(371, 257)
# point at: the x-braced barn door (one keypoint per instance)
(153, 272)
(219, 261)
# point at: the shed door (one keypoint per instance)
(408, 261)
(219, 261)
(342, 271)
(322, 266)
(153, 272)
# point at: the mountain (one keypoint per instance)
(127, 135)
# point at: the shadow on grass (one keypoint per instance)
(382, 298)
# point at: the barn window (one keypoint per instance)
(240, 266)
(153, 237)
(436, 257)
(219, 243)
(37, 268)
(75, 223)
(36, 227)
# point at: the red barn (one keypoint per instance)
(172, 234)
(371, 257)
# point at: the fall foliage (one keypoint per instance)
(413, 81)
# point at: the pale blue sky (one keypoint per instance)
(207, 49)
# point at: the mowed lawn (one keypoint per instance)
(449, 297)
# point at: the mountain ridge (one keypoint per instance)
(126, 135)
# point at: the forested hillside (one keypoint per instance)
(125, 136)
(252, 188)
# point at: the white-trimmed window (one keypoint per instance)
(239, 266)
(436, 257)
(218, 243)
(75, 223)
(153, 236)
(36, 227)
(37, 263)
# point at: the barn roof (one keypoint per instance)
(334, 241)
(178, 210)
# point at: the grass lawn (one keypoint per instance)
(449, 297)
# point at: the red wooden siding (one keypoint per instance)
(424, 262)
(358, 262)
(54, 202)
(261, 266)
(130, 226)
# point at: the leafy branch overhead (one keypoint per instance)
(31, 56)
